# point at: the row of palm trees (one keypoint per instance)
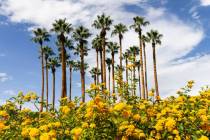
(77, 44)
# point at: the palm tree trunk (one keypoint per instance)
(113, 79)
(82, 76)
(155, 70)
(145, 70)
(109, 80)
(63, 62)
(104, 61)
(139, 81)
(126, 63)
(120, 41)
(131, 81)
(134, 76)
(70, 81)
(142, 70)
(47, 96)
(121, 68)
(101, 66)
(53, 97)
(42, 96)
(97, 77)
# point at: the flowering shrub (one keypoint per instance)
(103, 117)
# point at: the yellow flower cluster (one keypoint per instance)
(174, 118)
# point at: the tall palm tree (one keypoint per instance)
(138, 65)
(94, 72)
(62, 28)
(71, 65)
(144, 41)
(119, 30)
(103, 23)
(47, 53)
(96, 44)
(134, 50)
(113, 49)
(40, 36)
(140, 22)
(125, 56)
(81, 34)
(109, 63)
(155, 38)
(53, 64)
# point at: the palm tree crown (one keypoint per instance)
(154, 36)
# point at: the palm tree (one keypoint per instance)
(109, 63)
(140, 22)
(103, 22)
(40, 36)
(71, 65)
(137, 63)
(144, 40)
(113, 49)
(96, 44)
(94, 72)
(119, 30)
(134, 50)
(62, 28)
(125, 56)
(53, 64)
(155, 38)
(47, 53)
(81, 34)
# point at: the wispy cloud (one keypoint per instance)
(4, 77)
(205, 2)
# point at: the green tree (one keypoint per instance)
(144, 41)
(81, 34)
(119, 30)
(40, 36)
(53, 64)
(47, 53)
(134, 50)
(113, 49)
(103, 23)
(96, 44)
(109, 63)
(71, 65)
(155, 38)
(140, 22)
(62, 28)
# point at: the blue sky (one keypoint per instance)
(184, 54)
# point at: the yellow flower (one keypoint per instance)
(203, 138)
(3, 113)
(92, 125)
(34, 132)
(130, 130)
(44, 128)
(170, 124)
(151, 92)
(52, 133)
(136, 117)
(25, 132)
(65, 110)
(76, 131)
(84, 125)
(2, 126)
(119, 106)
(45, 136)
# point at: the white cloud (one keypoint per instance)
(179, 39)
(205, 2)
(9, 93)
(4, 77)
